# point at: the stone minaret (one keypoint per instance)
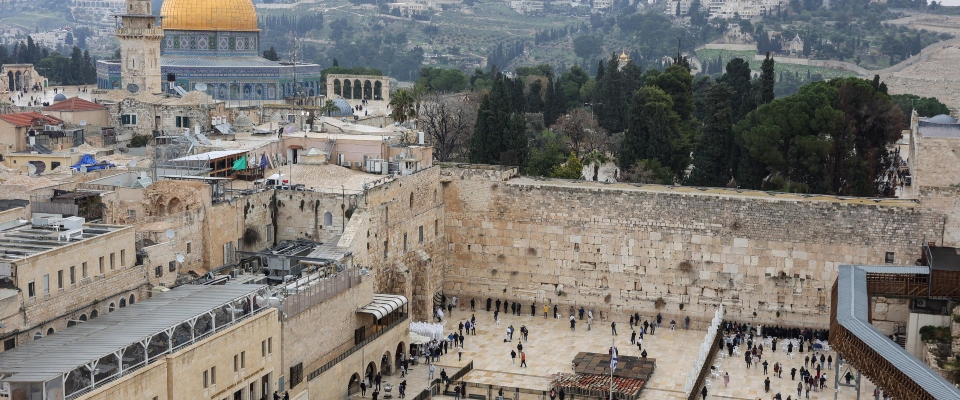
(140, 34)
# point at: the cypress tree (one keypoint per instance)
(711, 162)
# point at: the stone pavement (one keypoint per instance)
(552, 346)
(47, 94)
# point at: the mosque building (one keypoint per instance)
(209, 42)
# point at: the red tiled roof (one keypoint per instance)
(74, 104)
(30, 119)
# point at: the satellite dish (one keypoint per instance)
(31, 169)
(133, 88)
(83, 122)
(132, 164)
(83, 168)
(201, 87)
(170, 233)
(180, 258)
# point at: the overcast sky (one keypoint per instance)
(950, 2)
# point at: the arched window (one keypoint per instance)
(83, 317)
(133, 299)
(123, 303)
(327, 219)
(94, 314)
(111, 308)
(49, 331)
(37, 335)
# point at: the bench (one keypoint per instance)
(477, 396)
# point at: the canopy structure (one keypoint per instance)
(383, 304)
(416, 338)
(91, 164)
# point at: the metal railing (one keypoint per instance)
(323, 368)
(705, 369)
(318, 292)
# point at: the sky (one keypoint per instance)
(950, 2)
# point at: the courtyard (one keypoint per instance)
(552, 345)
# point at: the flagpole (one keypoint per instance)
(613, 355)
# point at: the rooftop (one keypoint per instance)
(30, 119)
(74, 104)
(210, 155)
(27, 240)
(54, 357)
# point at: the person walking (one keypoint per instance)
(766, 385)
(573, 323)
(376, 393)
(613, 327)
(686, 322)
(473, 305)
(581, 311)
(431, 369)
(806, 361)
(456, 392)
(764, 367)
(793, 373)
(403, 388)
(459, 353)
(823, 361)
(799, 389)
(363, 389)
(659, 319)
(703, 393)
(633, 337)
(496, 316)
(640, 343)
(513, 357)
(830, 361)
(726, 379)
(523, 359)
(377, 379)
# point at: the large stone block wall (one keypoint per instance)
(332, 384)
(311, 336)
(944, 201)
(936, 162)
(620, 248)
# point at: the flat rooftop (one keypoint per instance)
(26, 240)
(55, 356)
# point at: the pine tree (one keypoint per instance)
(711, 162)
(653, 131)
(767, 80)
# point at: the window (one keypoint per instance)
(132, 215)
(243, 359)
(436, 227)
(296, 375)
(213, 375)
(385, 243)
(46, 285)
(60, 279)
(888, 258)
(9, 344)
(270, 345)
(31, 290)
(73, 274)
(129, 119)
(236, 362)
(421, 233)
(183, 122)
(83, 270)
(189, 246)
(158, 272)
(404, 241)
(101, 265)
(111, 261)
(123, 257)
(206, 379)
(263, 348)
(54, 165)
(172, 266)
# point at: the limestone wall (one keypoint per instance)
(148, 382)
(936, 162)
(621, 248)
(943, 201)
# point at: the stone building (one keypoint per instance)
(212, 42)
(20, 77)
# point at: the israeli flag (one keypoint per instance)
(613, 359)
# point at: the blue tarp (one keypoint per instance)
(91, 163)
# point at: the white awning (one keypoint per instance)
(383, 304)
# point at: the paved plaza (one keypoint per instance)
(552, 346)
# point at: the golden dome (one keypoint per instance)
(209, 15)
(624, 56)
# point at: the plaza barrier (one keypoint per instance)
(705, 354)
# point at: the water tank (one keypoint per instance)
(71, 223)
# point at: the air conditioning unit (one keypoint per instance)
(921, 303)
(73, 150)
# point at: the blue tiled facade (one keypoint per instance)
(227, 62)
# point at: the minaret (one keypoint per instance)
(140, 34)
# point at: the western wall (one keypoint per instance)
(620, 248)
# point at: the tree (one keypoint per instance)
(271, 54)
(499, 135)
(572, 169)
(767, 80)
(587, 46)
(403, 106)
(830, 137)
(925, 106)
(653, 131)
(447, 119)
(711, 162)
(647, 171)
(737, 76)
(581, 130)
(328, 107)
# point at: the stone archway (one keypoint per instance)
(337, 89)
(369, 373)
(353, 385)
(400, 353)
(10, 81)
(347, 90)
(367, 90)
(386, 364)
(378, 90)
(357, 89)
